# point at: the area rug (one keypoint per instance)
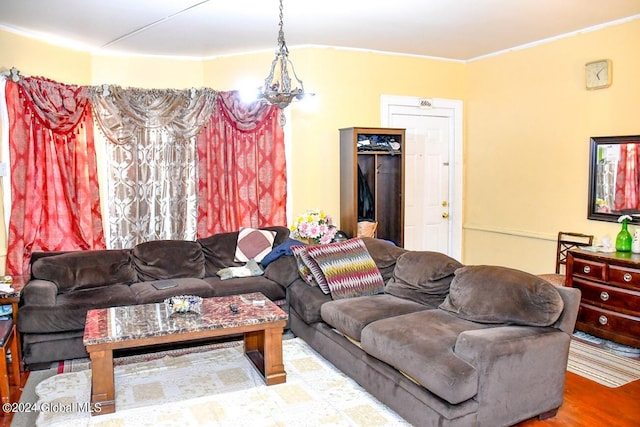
(610, 346)
(75, 365)
(601, 366)
(218, 388)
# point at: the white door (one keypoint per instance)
(432, 205)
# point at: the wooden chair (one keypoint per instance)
(566, 242)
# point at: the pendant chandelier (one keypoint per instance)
(277, 89)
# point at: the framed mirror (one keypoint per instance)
(614, 177)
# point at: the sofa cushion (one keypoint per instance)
(253, 244)
(244, 285)
(384, 254)
(422, 277)
(420, 345)
(351, 315)
(220, 249)
(168, 259)
(307, 301)
(346, 267)
(492, 294)
(147, 292)
(283, 271)
(86, 269)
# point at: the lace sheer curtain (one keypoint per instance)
(54, 182)
(242, 167)
(152, 160)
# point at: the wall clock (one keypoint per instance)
(598, 74)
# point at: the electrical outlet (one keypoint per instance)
(4, 169)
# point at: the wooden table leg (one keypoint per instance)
(5, 392)
(16, 367)
(14, 314)
(102, 383)
(264, 349)
(274, 372)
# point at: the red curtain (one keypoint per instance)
(242, 168)
(627, 179)
(54, 181)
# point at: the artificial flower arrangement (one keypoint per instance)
(315, 226)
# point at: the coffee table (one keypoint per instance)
(258, 319)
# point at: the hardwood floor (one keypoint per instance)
(16, 392)
(586, 403)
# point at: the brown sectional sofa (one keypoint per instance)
(446, 345)
(64, 286)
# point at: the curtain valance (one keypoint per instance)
(59, 107)
(122, 112)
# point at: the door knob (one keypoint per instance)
(444, 204)
(445, 215)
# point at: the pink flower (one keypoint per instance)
(326, 239)
(314, 231)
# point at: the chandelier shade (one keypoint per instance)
(278, 89)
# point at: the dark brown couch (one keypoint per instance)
(446, 345)
(64, 286)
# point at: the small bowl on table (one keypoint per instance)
(184, 304)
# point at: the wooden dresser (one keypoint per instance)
(610, 285)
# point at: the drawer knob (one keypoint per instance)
(627, 277)
(604, 296)
(586, 269)
(603, 320)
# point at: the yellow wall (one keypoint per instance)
(528, 120)
(37, 58)
(347, 86)
(528, 123)
(146, 72)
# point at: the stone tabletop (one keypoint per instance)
(147, 320)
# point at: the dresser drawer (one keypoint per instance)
(616, 299)
(589, 269)
(625, 277)
(624, 328)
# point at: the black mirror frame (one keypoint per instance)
(593, 159)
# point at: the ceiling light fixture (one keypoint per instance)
(277, 88)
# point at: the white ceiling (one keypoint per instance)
(454, 29)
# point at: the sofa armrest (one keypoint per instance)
(283, 271)
(571, 298)
(521, 369)
(39, 292)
